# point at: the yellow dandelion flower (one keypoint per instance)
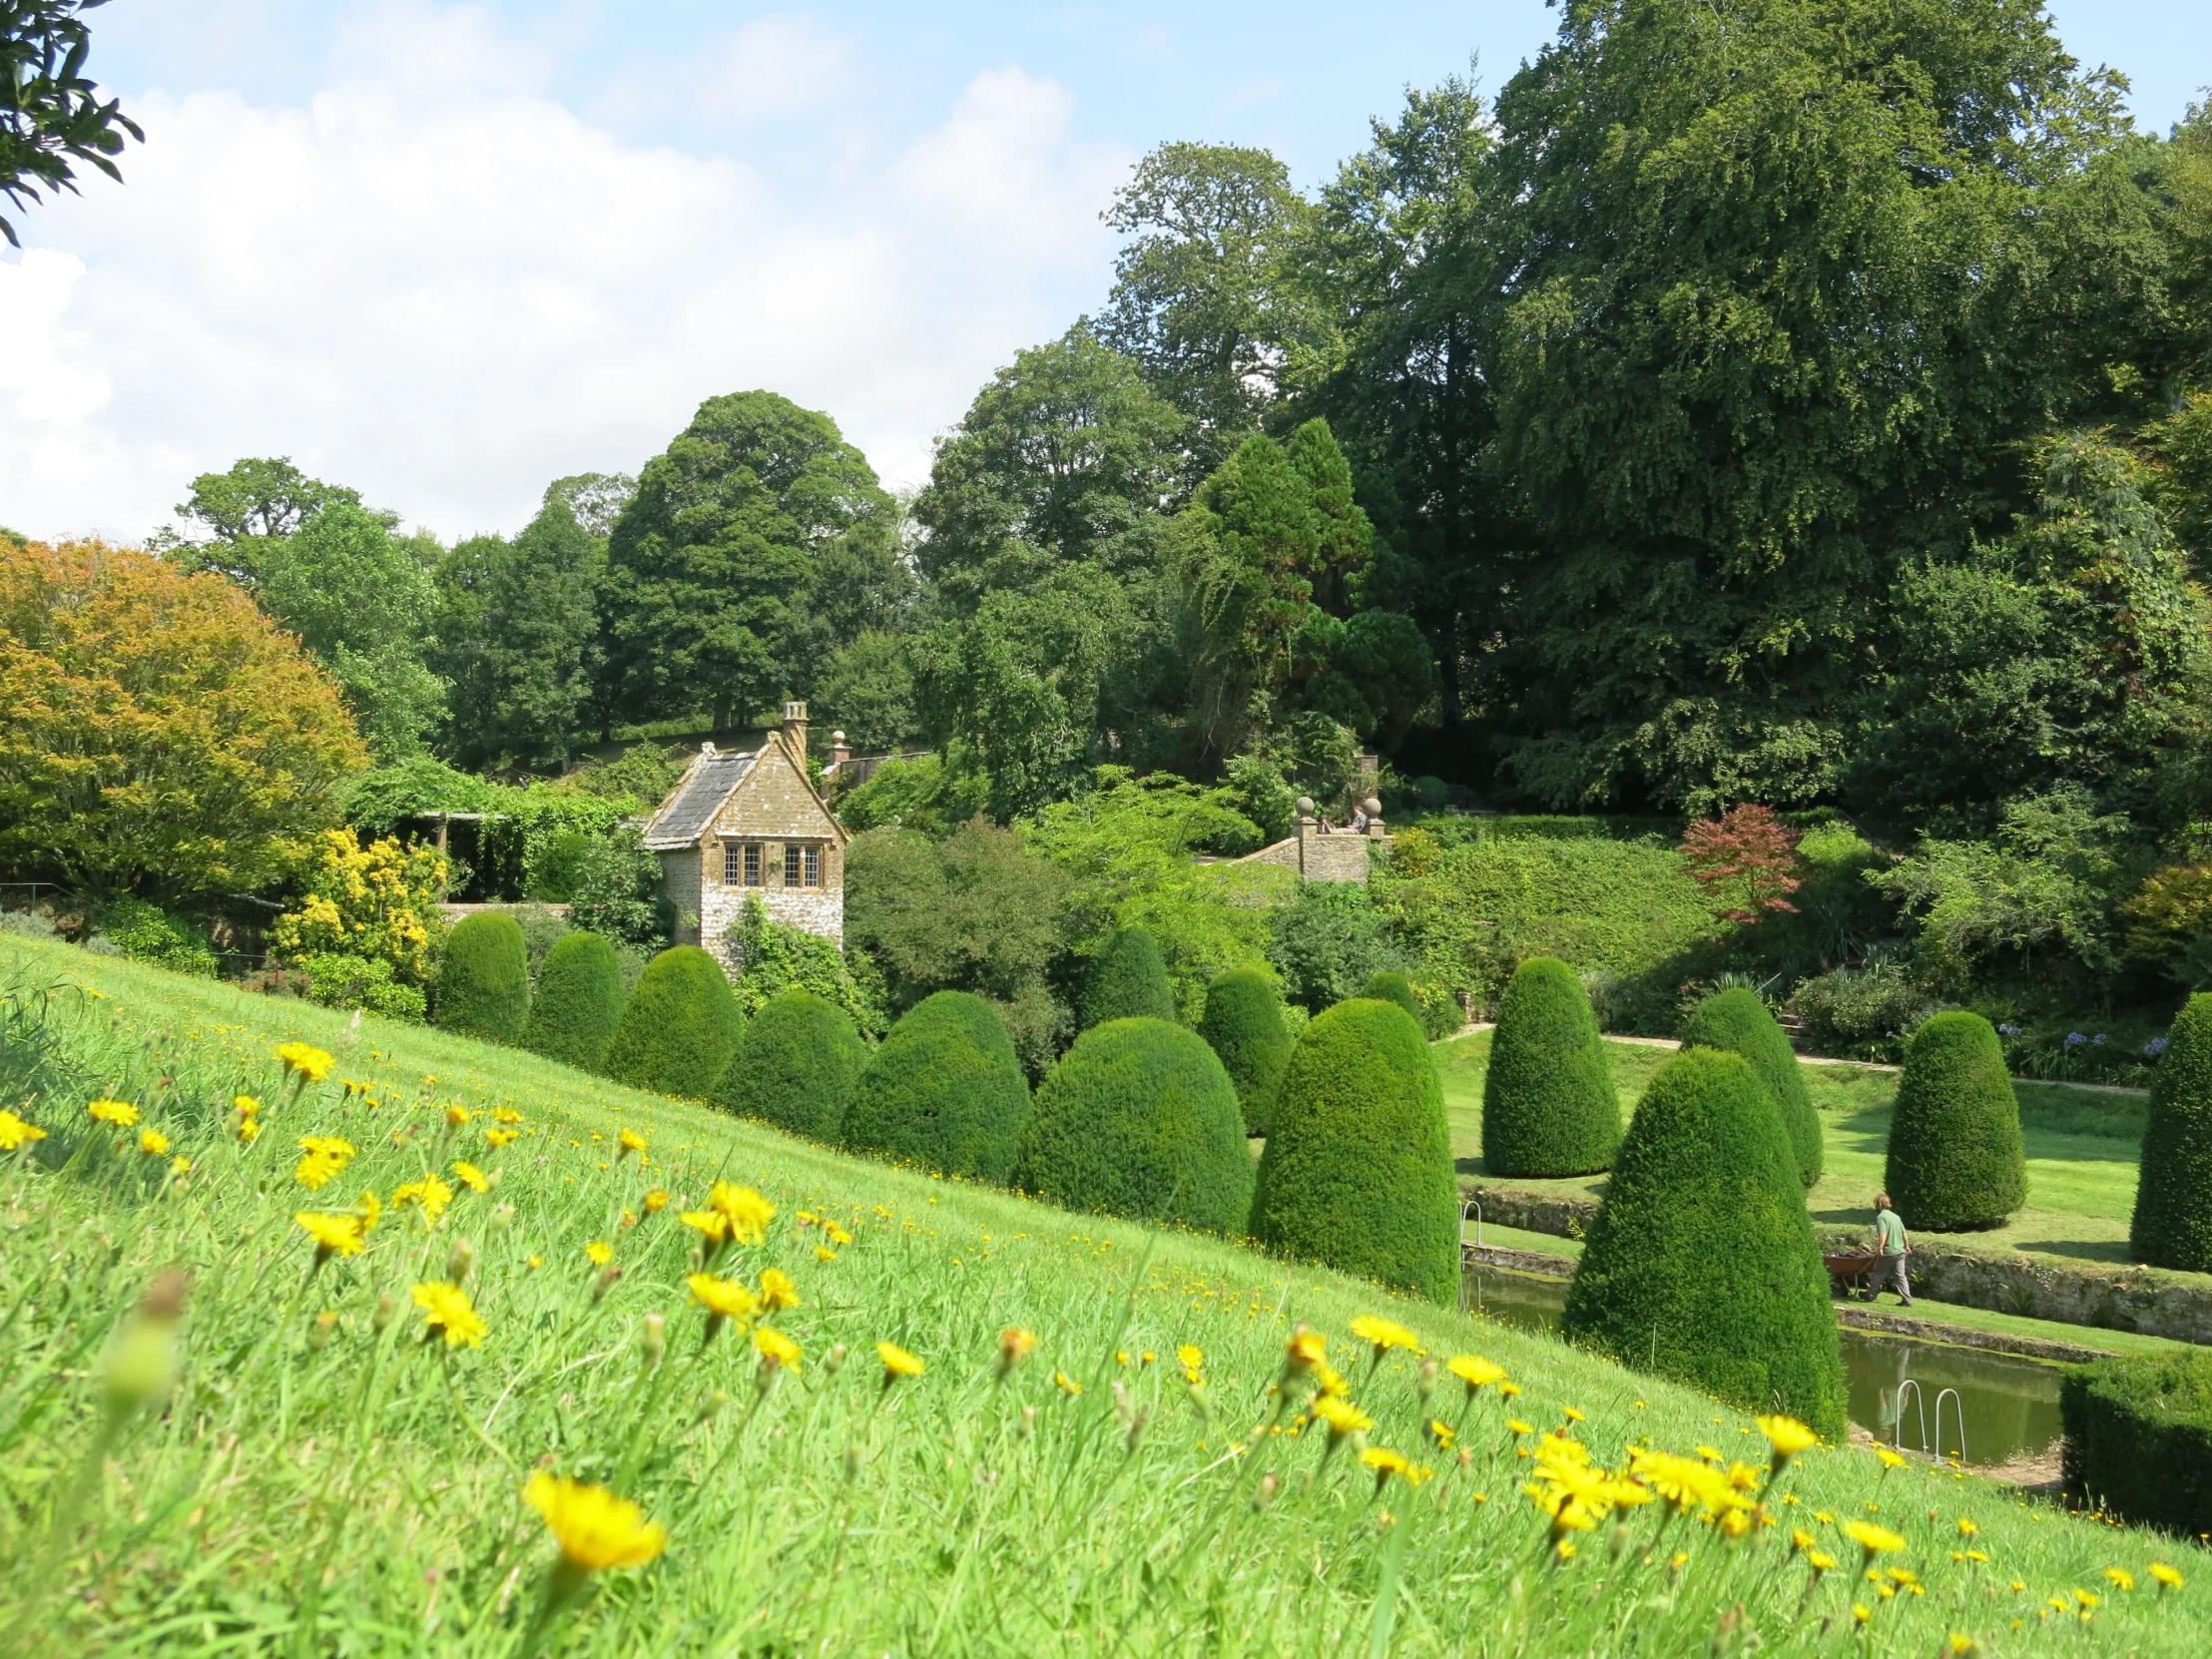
(333, 1235)
(1066, 1384)
(712, 1223)
(15, 1132)
(457, 1116)
(1520, 1427)
(897, 1363)
(2089, 1599)
(1889, 1459)
(248, 1131)
(1861, 1613)
(180, 1166)
(153, 1143)
(1966, 1529)
(469, 1176)
(305, 1061)
(1305, 1351)
(777, 1290)
(447, 1308)
(497, 1138)
(2169, 1578)
(823, 1253)
(2121, 1578)
(1509, 1391)
(594, 1529)
(746, 1212)
(599, 1253)
(1787, 1436)
(1342, 1416)
(1819, 1561)
(1014, 1346)
(534, 1260)
(505, 1113)
(1871, 1538)
(655, 1202)
(429, 1195)
(120, 1113)
(1190, 1356)
(372, 1211)
(776, 1348)
(1475, 1371)
(723, 1298)
(631, 1141)
(839, 1235)
(245, 1105)
(1385, 1334)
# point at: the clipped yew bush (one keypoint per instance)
(797, 1065)
(1390, 986)
(1128, 982)
(1701, 1264)
(1957, 1159)
(944, 1090)
(1140, 1119)
(1243, 1024)
(679, 1027)
(1549, 1106)
(578, 1003)
(1358, 1169)
(2173, 1196)
(2138, 1439)
(483, 986)
(1737, 1022)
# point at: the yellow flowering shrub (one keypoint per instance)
(378, 902)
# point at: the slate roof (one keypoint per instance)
(694, 805)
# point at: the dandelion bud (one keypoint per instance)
(1122, 1407)
(852, 1461)
(607, 1281)
(1198, 1401)
(833, 1359)
(142, 1361)
(1425, 1378)
(1014, 1346)
(1264, 1494)
(320, 1332)
(1028, 1424)
(1136, 1428)
(503, 1217)
(460, 1261)
(386, 1311)
(653, 1340)
(710, 1405)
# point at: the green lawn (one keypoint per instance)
(2083, 1149)
(345, 1486)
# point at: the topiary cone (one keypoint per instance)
(1957, 1159)
(797, 1065)
(1140, 1119)
(1358, 1169)
(1243, 1024)
(1128, 982)
(1737, 1022)
(579, 1002)
(944, 1090)
(1549, 1106)
(1702, 1265)
(680, 1028)
(483, 986)
(1390, 986)
(2174, 1198)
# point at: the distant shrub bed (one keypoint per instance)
(579, 1002)
(797, 1066)
(1129, 981)
(2172, 1227)
(1737, 1022)
(1244, 1024)
(1140, 1119)
(483, 984)
(1549, 1106)
(1956, 1157)
(2139, 1439)
(680, 1028)
(944, 1090)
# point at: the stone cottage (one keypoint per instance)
(744, 825)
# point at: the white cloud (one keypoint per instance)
(438, 285)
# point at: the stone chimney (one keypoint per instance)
(840, 751)
(795, 730)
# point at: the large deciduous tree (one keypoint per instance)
(1787, 283)
(259, 502)
(755, 543)
(51, 116)
(156, 731)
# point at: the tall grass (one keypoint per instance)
(322, 1479)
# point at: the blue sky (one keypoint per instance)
(448, 251)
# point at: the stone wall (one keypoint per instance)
(1339, 855)
(816, 909)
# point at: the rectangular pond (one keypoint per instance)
(2007, 1404)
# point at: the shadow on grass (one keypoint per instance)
(2086, 1250)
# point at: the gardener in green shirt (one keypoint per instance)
(1893, 1243)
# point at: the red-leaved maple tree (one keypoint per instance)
(1746, 860)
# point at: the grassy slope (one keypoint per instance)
(2081, 1149)
(361, 1495)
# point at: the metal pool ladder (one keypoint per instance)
(1934, 1447)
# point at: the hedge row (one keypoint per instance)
(2139, 1437)
(1737, 1022)
(1548, 1107)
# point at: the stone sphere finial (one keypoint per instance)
(1305, 806)
(1371, 806)
(837, 736)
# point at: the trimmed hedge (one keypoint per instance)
(1391, 986)
(944, 1091)
(680, 1028)
(1737, 1022)
(2173, 1199)
(483, 986)
(1358, 1173)
(1549, 1106)
(1701, 1264)
(579, 1002)
(1140, 1119)
(1128, 982)
(1957, 1159)
(2140, 1438)
(798, 1066)
(1243, 1023)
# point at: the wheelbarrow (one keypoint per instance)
(1851, 1273)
